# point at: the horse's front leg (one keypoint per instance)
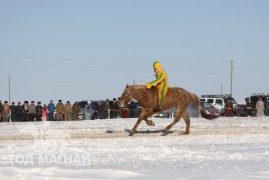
(149, 122)
(143, 116)
(140, 118)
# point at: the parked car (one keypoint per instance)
(218, 101)
(240, 110)
(208, 111)
(134, 109)
(166, 113)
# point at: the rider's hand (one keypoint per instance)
(148, 85)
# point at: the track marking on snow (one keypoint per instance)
(110, 133)
(117, 128)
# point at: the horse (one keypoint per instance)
(147, 98)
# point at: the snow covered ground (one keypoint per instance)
(226, 148)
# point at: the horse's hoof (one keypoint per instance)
(132, 132)
(150, 123)
(186, 133)
(164, 131)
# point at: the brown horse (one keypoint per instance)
(175, 97)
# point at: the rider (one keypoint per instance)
(161, 83)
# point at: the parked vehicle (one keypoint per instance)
(134, 109)
(240, 110)
(209, 111)
(166, 113)
(218, 101)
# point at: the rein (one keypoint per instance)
(126, 97)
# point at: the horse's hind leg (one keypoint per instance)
(177, 118)
(187, 121)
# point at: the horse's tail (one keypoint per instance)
(195, 99)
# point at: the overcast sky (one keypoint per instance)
(90, 49)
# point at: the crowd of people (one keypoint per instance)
(259, 108)
(37, 112)
(103, 110)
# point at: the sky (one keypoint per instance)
(91, 49)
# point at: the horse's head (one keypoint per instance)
(126, 96)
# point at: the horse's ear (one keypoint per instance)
(127, 85)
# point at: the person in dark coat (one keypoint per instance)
(19, 110)
(229, 108)
(25, 111)
(1, 111)
(100, 110)
(13, 110)
(106, 109)
(38, 111)
(114, 108)
(249, 110)
(76, 108)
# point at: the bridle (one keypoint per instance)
(128, 92)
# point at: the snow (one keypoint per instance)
(226, 148)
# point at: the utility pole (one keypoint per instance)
(134, 81)
(9, 89)
(221, 89)
(232, 67)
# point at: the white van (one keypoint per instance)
(218, 101)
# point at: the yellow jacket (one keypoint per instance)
(161, 76)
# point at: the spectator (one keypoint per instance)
(13, 110)
(32, 111)
(67, 111)
(38, 111)
(106, 109)
(114, 108)
(260, 107)
(229, 108)
(76, 110)
(100, 110)
(119, 110)
(89, 111)
(25, 111)
(51, 108)
(1, 111)
(266, 106)
(5, 111)
(60, 110)
(44, 111)
(19, 110)
(249, 110)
